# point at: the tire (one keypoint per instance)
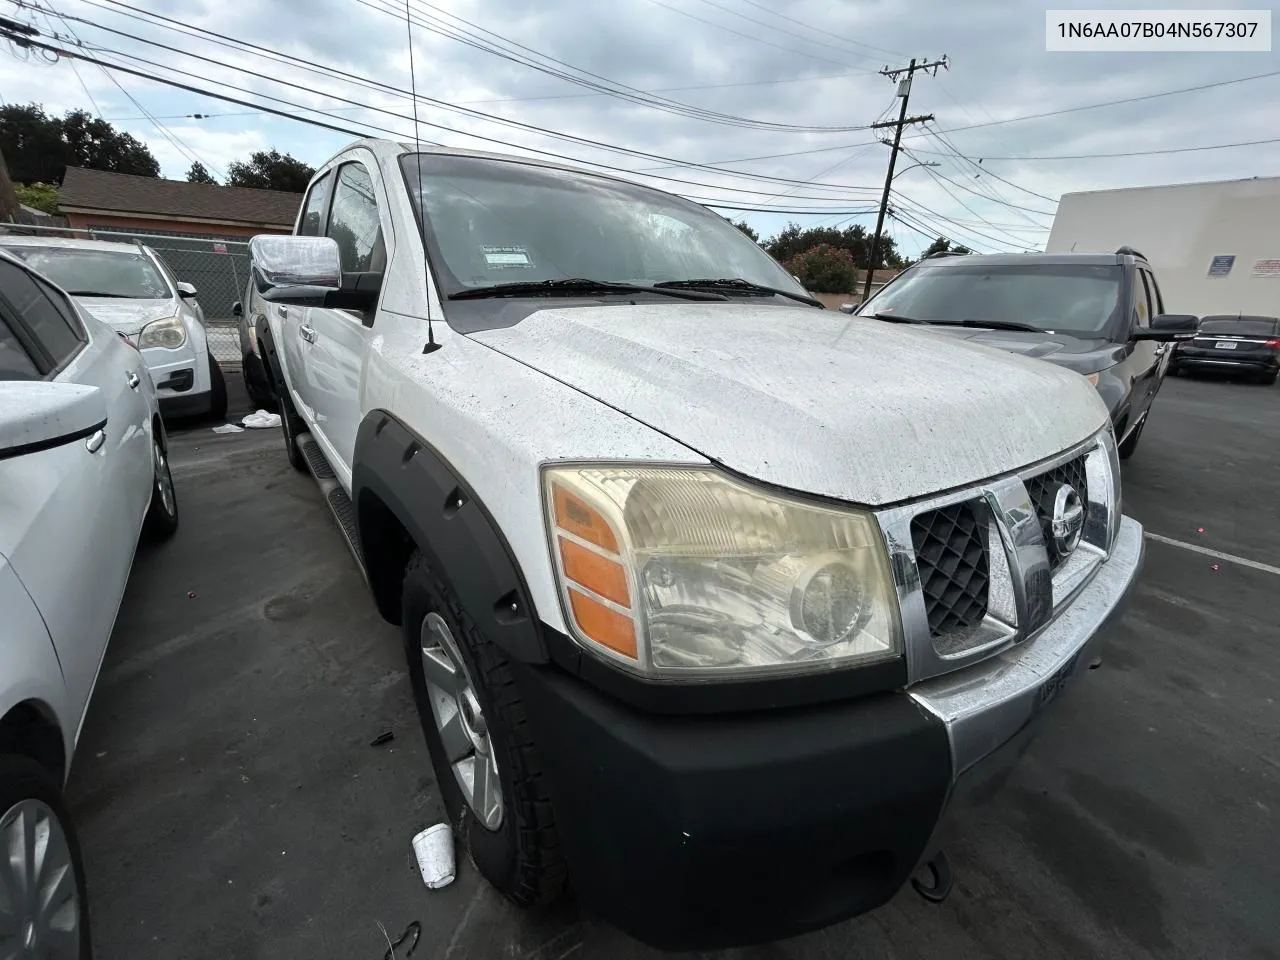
(217, 391)
(29, 794)
(521, 856)
(1269, 378)
(161, 521)
(291, 425)
(1126, 449)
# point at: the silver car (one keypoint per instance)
(130, 288)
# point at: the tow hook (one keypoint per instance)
(933, 878)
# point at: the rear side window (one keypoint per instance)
(312, 223)
(1258, 327)
(15, 362)
(354, 222)
(40, 308)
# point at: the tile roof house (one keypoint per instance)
(121, 201)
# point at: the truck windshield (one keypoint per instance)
(1064, 298)
(86, 272)
(498, 221)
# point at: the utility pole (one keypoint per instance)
(904, 91)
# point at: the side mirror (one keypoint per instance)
(39, 414)
(1168, 327)
(850, 307)
(297, 270)
(186, 290)
(237, 310)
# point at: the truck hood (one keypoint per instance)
(128, 316)
(1074, 353)
(869, 413)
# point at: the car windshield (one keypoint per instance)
(97, 273)
(1256, 327)
(1063, 298)
(493, 221)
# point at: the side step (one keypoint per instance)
(340, 504)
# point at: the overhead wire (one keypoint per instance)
(790, 33)
(783, 16)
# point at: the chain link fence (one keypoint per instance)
(217, 267)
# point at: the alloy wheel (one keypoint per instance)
(39, 903)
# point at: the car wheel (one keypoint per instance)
(162, 516)
(217, 390)
(1126, 449)
(47, 903)
(486, 763)
(1268, 378)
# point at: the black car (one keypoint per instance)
(1233, 345)
(1101, 315)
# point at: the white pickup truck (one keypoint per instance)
(714, 601)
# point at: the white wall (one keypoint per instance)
(1181, 229)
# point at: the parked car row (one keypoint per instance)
(1248, 345)
(84, 472)
(699, 589)
(130, 288)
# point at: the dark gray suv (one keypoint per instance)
(1101, 315)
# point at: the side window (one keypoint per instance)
(1142, 300)
(15, 362)
(313, 208)
(64, 307)
(55, 332)
(354, 222)
(1153, 291)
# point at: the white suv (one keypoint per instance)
(713, 600)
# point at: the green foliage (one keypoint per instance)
(943, 245)
(198, 174)
(38, 196)
(853, 239)
(825, 269)
(747, 229)
(39, 146)
(270, 170)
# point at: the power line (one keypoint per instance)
(967, 189)
(985, 172)
(1136, 153)
(790, 33)
(782, 16)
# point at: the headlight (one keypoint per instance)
(168, 333)
(678, 572)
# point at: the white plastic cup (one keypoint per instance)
(434, 849)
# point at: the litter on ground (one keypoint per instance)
(261, 419)
(434, 849)
(228, 428)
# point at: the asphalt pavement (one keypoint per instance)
(231, 804)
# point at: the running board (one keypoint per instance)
(344, 512)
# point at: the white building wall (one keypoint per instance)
(1180, 229)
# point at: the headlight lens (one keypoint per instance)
(684, 572)
(168, 333)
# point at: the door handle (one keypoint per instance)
(94, 443)
(307, 332)
(133, 380)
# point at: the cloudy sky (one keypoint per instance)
(715, 83)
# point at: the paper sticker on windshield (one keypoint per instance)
(506, 257)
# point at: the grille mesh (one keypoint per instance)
(951, 554)
(1038, 489)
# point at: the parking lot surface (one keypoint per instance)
(231, 805)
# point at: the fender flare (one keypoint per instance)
(447, 521)
(271, 357)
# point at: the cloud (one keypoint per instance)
(751, 61)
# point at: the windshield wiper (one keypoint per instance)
(571, 286)
(737, 283)
(898, 318)
(99, 293)
(980, 324)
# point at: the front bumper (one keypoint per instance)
(718, 831)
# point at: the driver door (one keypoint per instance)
(1147, 356)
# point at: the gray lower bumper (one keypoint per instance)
(993, 703)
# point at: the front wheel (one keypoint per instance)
(1130, 444)
(217, 390)
(1268, 378)
(482, 750)
(45, 912)
(162, 516)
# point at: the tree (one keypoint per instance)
(747, 229)
(40, 146)
(825, 269)
(38, 196)
(198, 174)
(943, 245)
(270, 170)
(853, 239)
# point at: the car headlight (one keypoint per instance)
(676, 572)
(169, 333)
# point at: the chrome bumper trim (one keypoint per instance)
(987, 704)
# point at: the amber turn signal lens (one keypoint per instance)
(576, 516)
(604, 625)
(600, 575)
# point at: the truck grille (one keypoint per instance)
(1072, 473)
(951, 555)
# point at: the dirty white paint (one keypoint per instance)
(39, 412)
(814, 401)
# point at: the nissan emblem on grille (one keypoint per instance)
(1067, 519)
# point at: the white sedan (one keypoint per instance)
(84, 471)
(130, 288)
